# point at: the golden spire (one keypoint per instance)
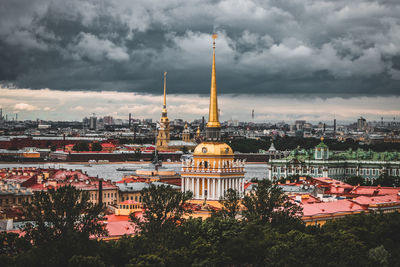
(164, 110)
(213, 121)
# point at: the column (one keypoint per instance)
(214, 188)
(192, 186)
(235, 182)
(197, 188)
(202, 188)
(208, 188)
(182, 184)
(219, 189)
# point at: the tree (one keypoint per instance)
(386, 180)
(96, 146)
(12, 244)
(268, 204)
(379, 255)
(63, 217)
(81, 146)
(85, 261)
(355, 180)
(230, 203)
(164, 208)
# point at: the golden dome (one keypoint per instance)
(213, 149)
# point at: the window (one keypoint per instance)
(135, 198)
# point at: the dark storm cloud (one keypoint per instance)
(307, 47)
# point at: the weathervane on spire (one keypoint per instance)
(214, 36)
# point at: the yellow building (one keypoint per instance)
(213, 168)
(163, 136)
(127, 207)
(186, 134)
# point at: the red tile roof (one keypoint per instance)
(335, 207)
(119, 225)
(378, 200)
(374, 190)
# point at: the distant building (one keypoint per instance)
(300, 124)
(108, 120)
(338, 165)
(163, 133)
(93, 123)
(361, 123)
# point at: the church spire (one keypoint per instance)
(213, 121)
(213, 126)
(164, 110)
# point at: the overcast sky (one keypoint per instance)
(309, 59)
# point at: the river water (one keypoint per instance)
(109, 171)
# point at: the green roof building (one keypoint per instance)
(320, 162)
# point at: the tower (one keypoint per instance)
(213, 169)
(334, 126)
(163, 131)
(186, 134)
(321, 151)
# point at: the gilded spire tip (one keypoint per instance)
(165, 94)
(213, 109)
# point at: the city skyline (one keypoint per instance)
(49, 104)
(312, 60)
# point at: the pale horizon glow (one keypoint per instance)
(49, 104)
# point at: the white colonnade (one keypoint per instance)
(216, 187)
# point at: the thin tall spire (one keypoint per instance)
(164, 110)
(213, 121)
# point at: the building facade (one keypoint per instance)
(213, 169)
(338, 165)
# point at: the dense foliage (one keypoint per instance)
(81, 146)
(382, 180)
(221, 240)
